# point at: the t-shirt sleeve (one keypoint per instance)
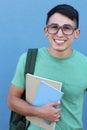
(19, 77)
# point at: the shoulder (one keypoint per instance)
(23, 56)
(79, 54)
(81, 57)
(22, 60)
(42, 51)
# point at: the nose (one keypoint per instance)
(60, 33)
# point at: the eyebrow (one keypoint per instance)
(61, 25)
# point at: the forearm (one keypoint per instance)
(15, 103)
(47, 112)
(21, 106)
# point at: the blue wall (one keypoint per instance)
(21, 27)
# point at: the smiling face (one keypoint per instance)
(59, 42)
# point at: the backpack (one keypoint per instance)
(17, 121)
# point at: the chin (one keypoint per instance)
(58, 48)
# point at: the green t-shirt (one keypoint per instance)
(71, 71)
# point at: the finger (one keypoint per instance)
(55, 103)
(57, 118)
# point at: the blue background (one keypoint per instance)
(21, 27)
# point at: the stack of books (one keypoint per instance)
(41, 91)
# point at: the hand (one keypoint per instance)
(49, 112)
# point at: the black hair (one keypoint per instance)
(66, 10)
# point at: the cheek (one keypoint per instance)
(71, 38)
(71, 41)
(50, 39)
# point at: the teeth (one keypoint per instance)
(59, 41)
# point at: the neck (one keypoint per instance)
(59, 54)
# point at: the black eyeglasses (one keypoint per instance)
(66, 29)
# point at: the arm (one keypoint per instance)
(18, 105)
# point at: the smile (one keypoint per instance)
(59, 41)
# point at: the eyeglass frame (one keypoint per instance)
(61, 27)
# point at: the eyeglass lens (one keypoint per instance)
(66, 29)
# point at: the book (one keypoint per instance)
(36, 94)
(46, 94)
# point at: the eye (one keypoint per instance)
(67, 27)
(55, 26)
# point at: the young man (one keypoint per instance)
(58, 62)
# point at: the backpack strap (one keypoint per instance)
(30, 60)
(29, 68)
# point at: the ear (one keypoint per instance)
(77, 33)
(45, 31)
